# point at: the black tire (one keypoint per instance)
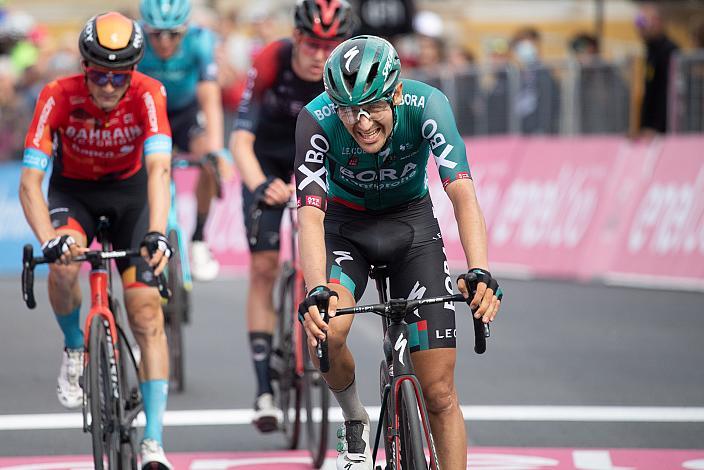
(289, 383)
(105, 426)
(174, 312)
(411, 430)
(316, 395)
(131, 400)
(385, 430)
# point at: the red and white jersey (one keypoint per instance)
(88, 143)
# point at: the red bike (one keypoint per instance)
(110, 381)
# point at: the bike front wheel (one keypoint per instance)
(289, 381)
(103, 396)
(174, 314)
(317, 400)
(410, 430)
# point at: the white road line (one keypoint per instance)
(226, 417)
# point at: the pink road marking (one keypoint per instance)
(495, 458)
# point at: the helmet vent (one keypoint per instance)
(371, 76)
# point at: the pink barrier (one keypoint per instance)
(557, 207)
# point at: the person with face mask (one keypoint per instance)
(362, 149)
(538, 100)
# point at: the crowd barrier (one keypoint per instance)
(589, 208)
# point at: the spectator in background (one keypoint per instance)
(15, 115)
(659, 50)
(460, 57)
(538, 101)
(496, 87)
(601, 93)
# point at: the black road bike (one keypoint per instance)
(403, 418)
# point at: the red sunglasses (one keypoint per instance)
(313, 45)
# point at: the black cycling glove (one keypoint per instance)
(477, 275)
(155, 241)
(317, 296)
(53, 249)
(260, 190)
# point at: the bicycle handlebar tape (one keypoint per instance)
(322, 298)
(163, 287)
(28, 276)
(481, 333)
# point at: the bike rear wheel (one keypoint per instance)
(174, 314)
(289, 382)
(317, 401)
(103, 397)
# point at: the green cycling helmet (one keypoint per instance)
(361, 70)
(165, 14)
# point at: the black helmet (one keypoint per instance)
(325, 19)
(111, 40)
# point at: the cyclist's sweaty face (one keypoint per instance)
(371, 125)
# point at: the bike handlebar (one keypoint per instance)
(209, 159)
(402, 307)
(29, 262)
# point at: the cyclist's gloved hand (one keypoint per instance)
(273, 192)
(223, 162)
(487, 294)
(56, 248)
(309, 314)
(156, 250)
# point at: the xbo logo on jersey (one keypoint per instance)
(429, 131)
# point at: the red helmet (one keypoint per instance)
(325, 19)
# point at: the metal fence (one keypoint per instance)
(558, 98)
(686, 101)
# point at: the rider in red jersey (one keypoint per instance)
(107, 133)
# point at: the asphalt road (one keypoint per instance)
(555, 344)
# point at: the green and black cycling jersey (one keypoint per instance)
(330, 165)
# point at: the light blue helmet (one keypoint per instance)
(165, 14)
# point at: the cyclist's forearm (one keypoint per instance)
(470, 223)
(210, 102)
(311, 242)
(35, 207)
(242, 148)
(159, 191)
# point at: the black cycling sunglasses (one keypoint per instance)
(117, 79)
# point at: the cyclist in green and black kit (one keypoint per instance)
(361, 155)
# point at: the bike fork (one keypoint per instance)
(381, 422)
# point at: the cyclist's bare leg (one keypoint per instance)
(64, 288)
(342, 366)
(261, 318)
(263, 269)
(143, 305)
(435, 370)
(206, 187)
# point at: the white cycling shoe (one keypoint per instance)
(353, 446)
(204, 267)
(153, 457)
(266, 416)
(68, 388)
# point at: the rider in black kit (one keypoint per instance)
(285, 76)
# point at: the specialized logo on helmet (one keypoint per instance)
(387, 66)
(349, 55)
